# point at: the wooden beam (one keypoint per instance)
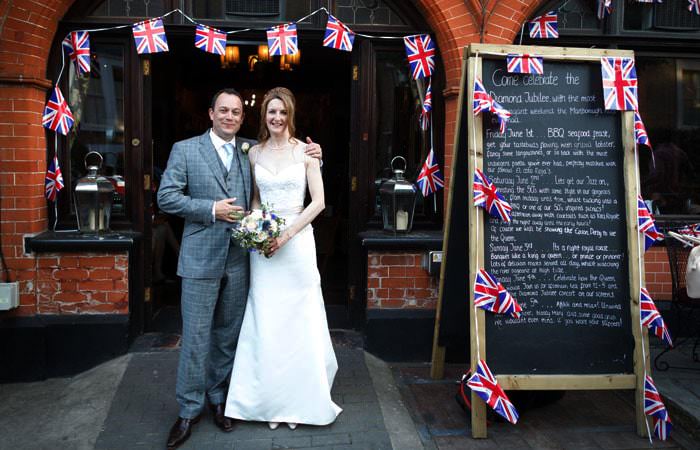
(567, 382)
(555, 53)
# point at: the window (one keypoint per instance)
(665, 39)
(97, 103)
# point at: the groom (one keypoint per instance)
(208, 182)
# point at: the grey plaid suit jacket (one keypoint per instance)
(194, 179)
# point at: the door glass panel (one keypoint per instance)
(97, 102)
(397, 111)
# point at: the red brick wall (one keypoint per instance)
(657, 273)
(73, 283)
(396, 280)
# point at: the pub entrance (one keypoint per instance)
(182, 84)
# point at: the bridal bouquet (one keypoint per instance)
(255, 230)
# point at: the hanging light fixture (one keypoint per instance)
(231, 57)
(287, 62)
(263, 53)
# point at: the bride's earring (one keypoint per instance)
(273, 425)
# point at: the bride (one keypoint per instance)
(285, 364)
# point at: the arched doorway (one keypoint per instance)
(360, 106)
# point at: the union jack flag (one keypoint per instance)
(487, 196)
(646, 224)
(662, 428)
(338, 35)
(429, 179)
(545, 26)
(640, 131)
(54, 180)
(482, 99)
(693, 230)
(210, 40)
(421, 55)
(57, 115)
(654, 407)
(77, 44)
(426, 108)
(524, 63)
(491, 295)
(282, 39)
(619, 83)
(694, 6)
(485, 385)
(150, 36)
(502, 114)
(605, 7)
(651, 318)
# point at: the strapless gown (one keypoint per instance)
(285, 364)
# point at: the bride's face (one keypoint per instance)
(276, 117)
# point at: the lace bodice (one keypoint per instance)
(284, 191)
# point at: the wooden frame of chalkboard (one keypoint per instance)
(571, 256)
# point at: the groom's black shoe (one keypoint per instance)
(224, 423)
(181, 431)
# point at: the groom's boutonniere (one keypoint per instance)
(245, 147)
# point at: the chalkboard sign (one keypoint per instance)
(570, 256)
(563, 256)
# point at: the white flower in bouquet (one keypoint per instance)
(256, 230)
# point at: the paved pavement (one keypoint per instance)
(128, 403)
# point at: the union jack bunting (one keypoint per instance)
(429, 179)
(487, 196)
(693, 230)
(662, 428)
(651, 318)
(605, 7)
(53, 182)
(210, 40)
(149, 37)
(640, 131)
(484, 384)
(545, 26)
(502, 114)
(619, 83)
(426, 108)
(338, 35)
(282, 39)
(77, 44)
(694, 6)
(524, 64)
(482, 99)
(654, 407)
(421, 55)
(57, 114)
(491, 295)
(646, 224)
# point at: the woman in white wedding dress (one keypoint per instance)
(285, 364)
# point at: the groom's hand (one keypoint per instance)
(225, 209)
(313, 149)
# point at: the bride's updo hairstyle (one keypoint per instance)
(287, 98)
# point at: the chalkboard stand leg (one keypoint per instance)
(437, 364)
(478, 417)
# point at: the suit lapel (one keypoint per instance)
(245, 169)
(208, 152)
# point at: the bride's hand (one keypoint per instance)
(276, 244)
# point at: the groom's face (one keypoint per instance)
(227, 116)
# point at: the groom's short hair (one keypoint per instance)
(229, 91)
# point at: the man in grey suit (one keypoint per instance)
(208, 182)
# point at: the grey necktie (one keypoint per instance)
(228, 149)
